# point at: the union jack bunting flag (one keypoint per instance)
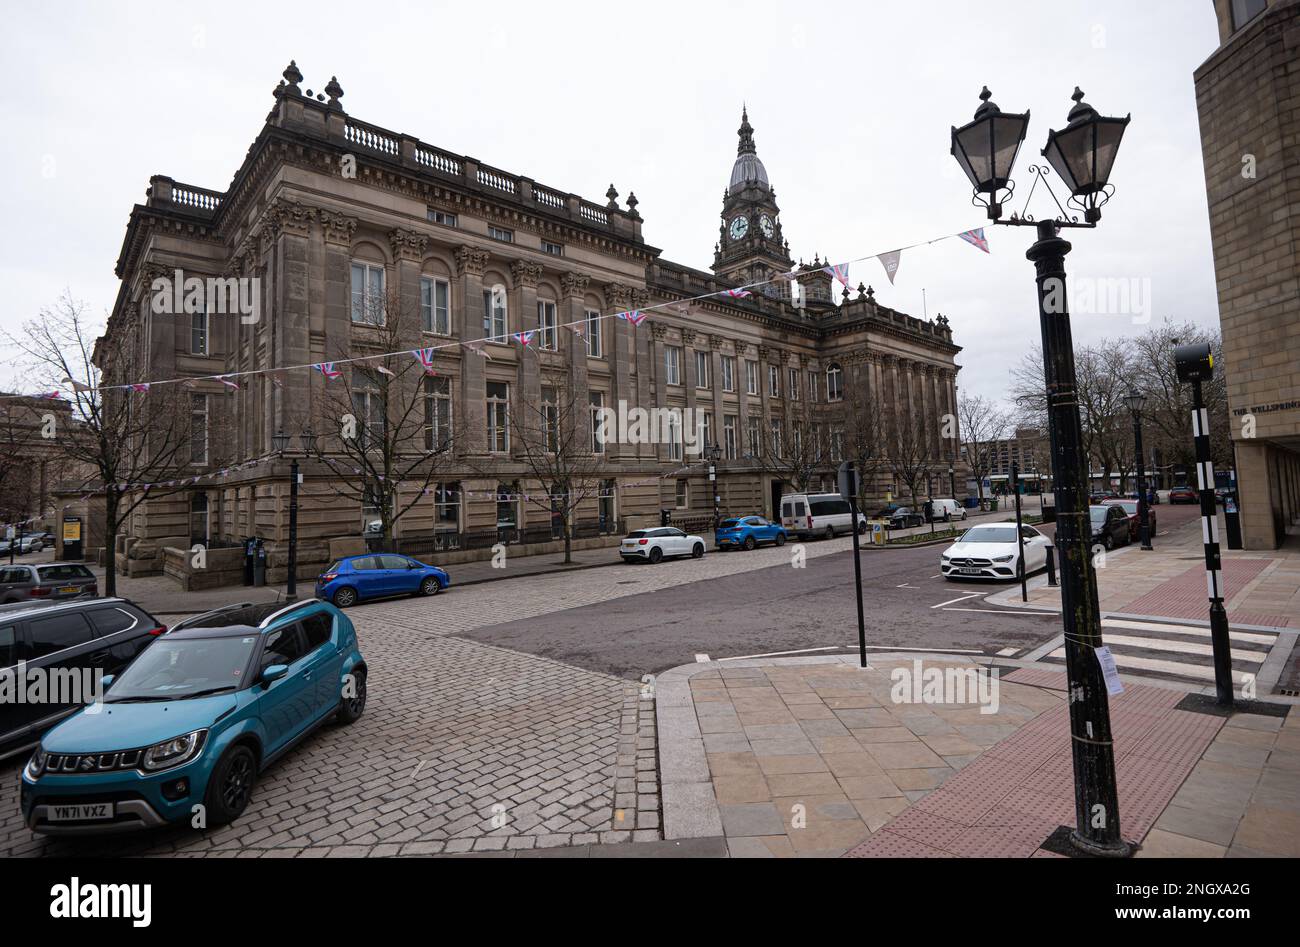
(524, 338)
(476, 347)
(139, 386)
(577, 328)
(327, 369)
(425, 358)
(737, 293)
(634, 316)
(384, 371)
(840, 271)
(976, 238)
(230, 383)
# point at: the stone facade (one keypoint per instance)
(322, 196)
(1247, 94)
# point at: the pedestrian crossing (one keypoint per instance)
(1177, 651)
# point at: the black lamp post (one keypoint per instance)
(280, 441)
(1082, 154)
(715, 452)
(1136, 401)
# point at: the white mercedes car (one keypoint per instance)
(990, 551)
(658, 543)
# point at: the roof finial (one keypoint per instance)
(746, 133)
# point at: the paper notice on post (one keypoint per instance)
(1108, 670)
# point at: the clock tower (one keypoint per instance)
(750, 246)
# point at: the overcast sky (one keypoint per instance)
(851, 105)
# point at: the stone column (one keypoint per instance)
(715, 367)
(572, 345)
(619, 297)
(528, 394)
(689, 381)
(471, 404)
(289, 224)
(658, 334)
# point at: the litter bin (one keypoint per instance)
(993, 504)
(259, 565)
(1232, 520)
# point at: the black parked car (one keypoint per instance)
(1109, 525)
(905, 516)
(101, 635)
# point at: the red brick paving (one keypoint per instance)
(1184, 596)
(1007, 802)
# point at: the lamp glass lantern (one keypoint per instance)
(308, 440)
(986, 149)
(1083, 154)
(1136, 401)
(280, 441)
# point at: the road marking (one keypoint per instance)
(905, 586)
(890, 647)
(1243, 636)
(994, 611)
(1201, 672)
(1183, 647)
(773, 654)
(959, 598)
(702, 658)
(1007, 652)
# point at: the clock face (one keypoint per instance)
(765, 224)
(739, 227)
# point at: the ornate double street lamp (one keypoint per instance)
(1136, 401)
(1082, 154)
(280, 441)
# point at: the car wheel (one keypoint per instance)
(963, 514)
(1107, 542)
(351, 708)
(947, 516)
(750, 544)
(430, 586)
(830, 532)
(345, 597)
(230, 786)
(656, 554)
(862, 529)
(780, 539)
(698, 549)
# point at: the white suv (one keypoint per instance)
(652, 545)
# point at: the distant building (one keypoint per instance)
(1028, 449)
(1246, 94)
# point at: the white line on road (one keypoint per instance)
(1007, 652)
(1185, 630)
(702, 658)
(994, 611)
(774, 654)
(959, 598)
(890, 647)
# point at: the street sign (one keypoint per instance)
(848, 480)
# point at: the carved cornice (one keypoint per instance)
(407, 245)
(658, 331)
(640, 298)
(526, 273)
(337, 228)
(688, 336)
(574, 284)
(716, 342)
(470, 261)
(764, 353)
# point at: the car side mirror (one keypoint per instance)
(106, 681)
(412, 565)
(274, 672)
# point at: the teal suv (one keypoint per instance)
(192, 721)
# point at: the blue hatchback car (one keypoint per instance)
(189, 724)
(746, 532)
(378, 575)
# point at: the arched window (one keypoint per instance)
(834, 382)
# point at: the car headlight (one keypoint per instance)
(945, 557)
(173, 752)
(1004, 558)
(36, 765)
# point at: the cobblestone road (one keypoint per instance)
(463, 746)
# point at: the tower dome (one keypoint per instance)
(748, 168)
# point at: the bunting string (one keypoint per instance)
(330, 370)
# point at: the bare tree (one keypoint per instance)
(796, 453)
(19, 422)
(388, 420)
(561, 444)
(910, 454)
(122, 441)
(981, 422)
(864, 429)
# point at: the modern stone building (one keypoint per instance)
(331, 216)
(1247, 94)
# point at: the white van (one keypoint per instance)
(819, 514)
(948, 510)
